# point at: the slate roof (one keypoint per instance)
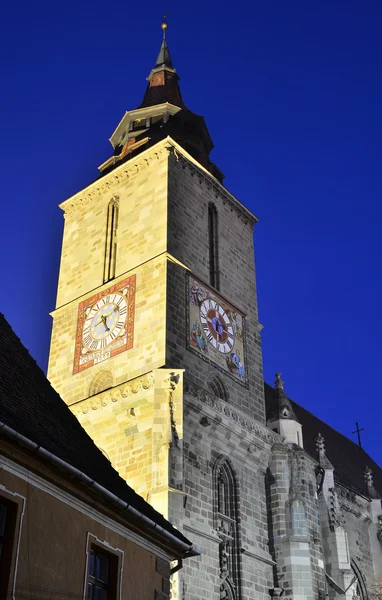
(30, 405)
(348, 459)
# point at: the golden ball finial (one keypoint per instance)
(164, 25)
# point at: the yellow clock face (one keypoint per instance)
(105, 325)
(105, 321)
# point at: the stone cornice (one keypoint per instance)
(109, 182)
(234, 415)
(115, 394)
(144, 160)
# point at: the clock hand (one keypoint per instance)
(104, 317)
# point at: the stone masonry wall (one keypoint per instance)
(248, 454)
(355, 510)
(177, 355)
(147, 353)
(141, 187)
(189, 193)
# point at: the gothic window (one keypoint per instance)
(217, 387)
(358, 587)
(213, 245)
(226, 516)
(111, 240)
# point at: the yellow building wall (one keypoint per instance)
(141, 188)
(131, 424)
(147, 353)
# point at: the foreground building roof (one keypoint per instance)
(32, 408)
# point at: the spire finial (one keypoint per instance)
(368, 474)
(164, 26)
(279, 384)
(321, 451)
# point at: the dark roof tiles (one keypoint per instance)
(30, 405)
(348, 459)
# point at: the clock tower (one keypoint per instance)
(156, 341)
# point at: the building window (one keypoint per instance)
(217, 387)
(103, 575)
(213, 245)
(226, 517)
(111, 240)
(8, 518)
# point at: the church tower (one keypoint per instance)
(156, 341)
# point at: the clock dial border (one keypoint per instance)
(218, 359)
(127, 285)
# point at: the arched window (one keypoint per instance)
(103, 380)
(217, 387)
(213, 245)
(358, 587)
(226, 517)
(111, 240)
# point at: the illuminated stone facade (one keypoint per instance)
(187, 433)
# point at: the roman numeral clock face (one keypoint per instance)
(105, 325)
(216, 326)
(216, 331)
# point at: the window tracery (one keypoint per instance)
(226, 514)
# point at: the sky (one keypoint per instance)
(291, 93)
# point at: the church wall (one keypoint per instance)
(355, 511)
(199, 371)
(248, 455)
(120, 422)
(294, 527)
(131, 424)
(148, 351)
(189, 194)
(141, 188)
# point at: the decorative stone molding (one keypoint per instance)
(232, 414)
(368, 474)
(114, 395)
(122, 173)
(336, 519)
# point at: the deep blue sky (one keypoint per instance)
(292, 95)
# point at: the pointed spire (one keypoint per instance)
(163, 79)
(284, 407)
(321, 451)
(164, 58)
(368, 474)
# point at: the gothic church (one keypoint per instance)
(156, 349)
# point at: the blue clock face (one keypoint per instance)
(105, 321)
(217, 326)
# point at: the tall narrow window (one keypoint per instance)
(213, 245)
(111, 240)
(226, 513)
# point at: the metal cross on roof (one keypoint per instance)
(358, 431)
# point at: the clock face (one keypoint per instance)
(216, 330)
(105, 324)
(217, 326)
